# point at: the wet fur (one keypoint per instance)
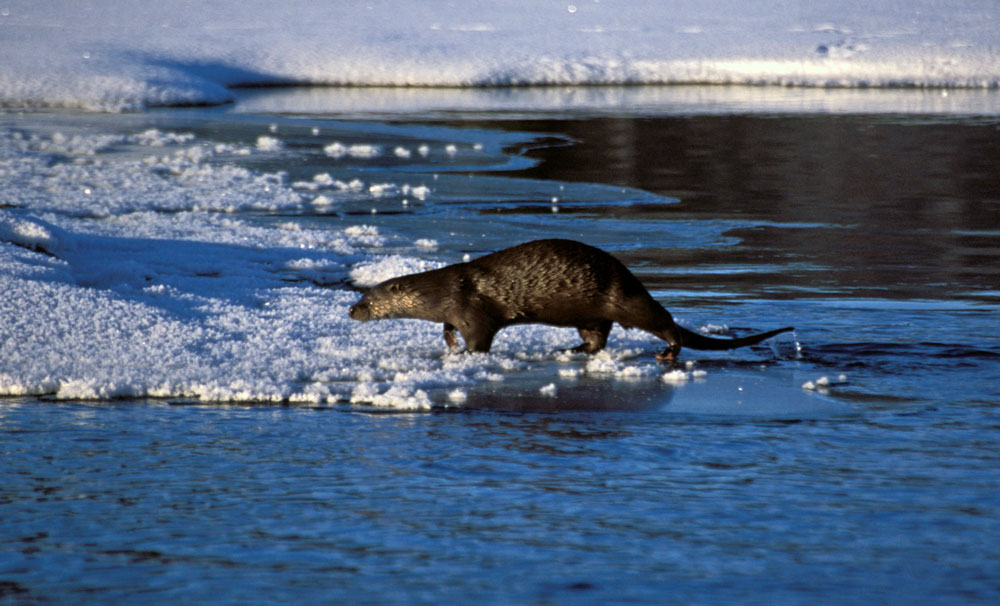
(557, 282)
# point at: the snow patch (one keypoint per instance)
(371, 273)
(338, 150)
(549, 390)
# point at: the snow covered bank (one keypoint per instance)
(100, 56)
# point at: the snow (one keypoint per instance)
(681, 377)
(824, 383)
(74, 54)
(612, 363)
(371, 273)
(549, 391)
(138, 266)
(129, 273)
(675, 376)
(339, 150)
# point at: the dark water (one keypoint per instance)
(877, 236)
(861, 206)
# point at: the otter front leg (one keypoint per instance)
(450, 337)
(478, 334)
(477, 337)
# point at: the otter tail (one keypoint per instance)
(694, 340)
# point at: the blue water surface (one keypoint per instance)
(139, 502)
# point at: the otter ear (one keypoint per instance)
(394, 288)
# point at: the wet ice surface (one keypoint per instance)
(210, 263)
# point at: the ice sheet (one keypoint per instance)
(98, 56)
(131, 266)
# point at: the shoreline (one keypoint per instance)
(436, 103)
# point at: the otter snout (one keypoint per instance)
(360, 311)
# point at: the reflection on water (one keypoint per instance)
(864, 205)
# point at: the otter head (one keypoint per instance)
(361, 310)
(390, 299)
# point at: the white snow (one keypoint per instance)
(357, 150)
(613, 364)
(269, 144)
(675, 376)
(95, 55)
(371, 273)
(138, 265)
(680, 377)
(130, 275)
(549, 391)
(824, 383)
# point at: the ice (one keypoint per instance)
(549, 390)
(824, 383)
(420, 192)
(71, 54)
(680, 377)
(126, 275)
(675, 376)
(138, 266)
(269, 144)
(612, 363)
(398, 397)
(372, 273)
(357, 150)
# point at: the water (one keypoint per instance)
(875, 235)
(135, 502)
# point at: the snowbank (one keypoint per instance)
(99, 55)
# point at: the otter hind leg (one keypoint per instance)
(595, 337)
(672, 336)
(645, 313)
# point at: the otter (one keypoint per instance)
(557, 282)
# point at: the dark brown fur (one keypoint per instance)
(558, 282)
